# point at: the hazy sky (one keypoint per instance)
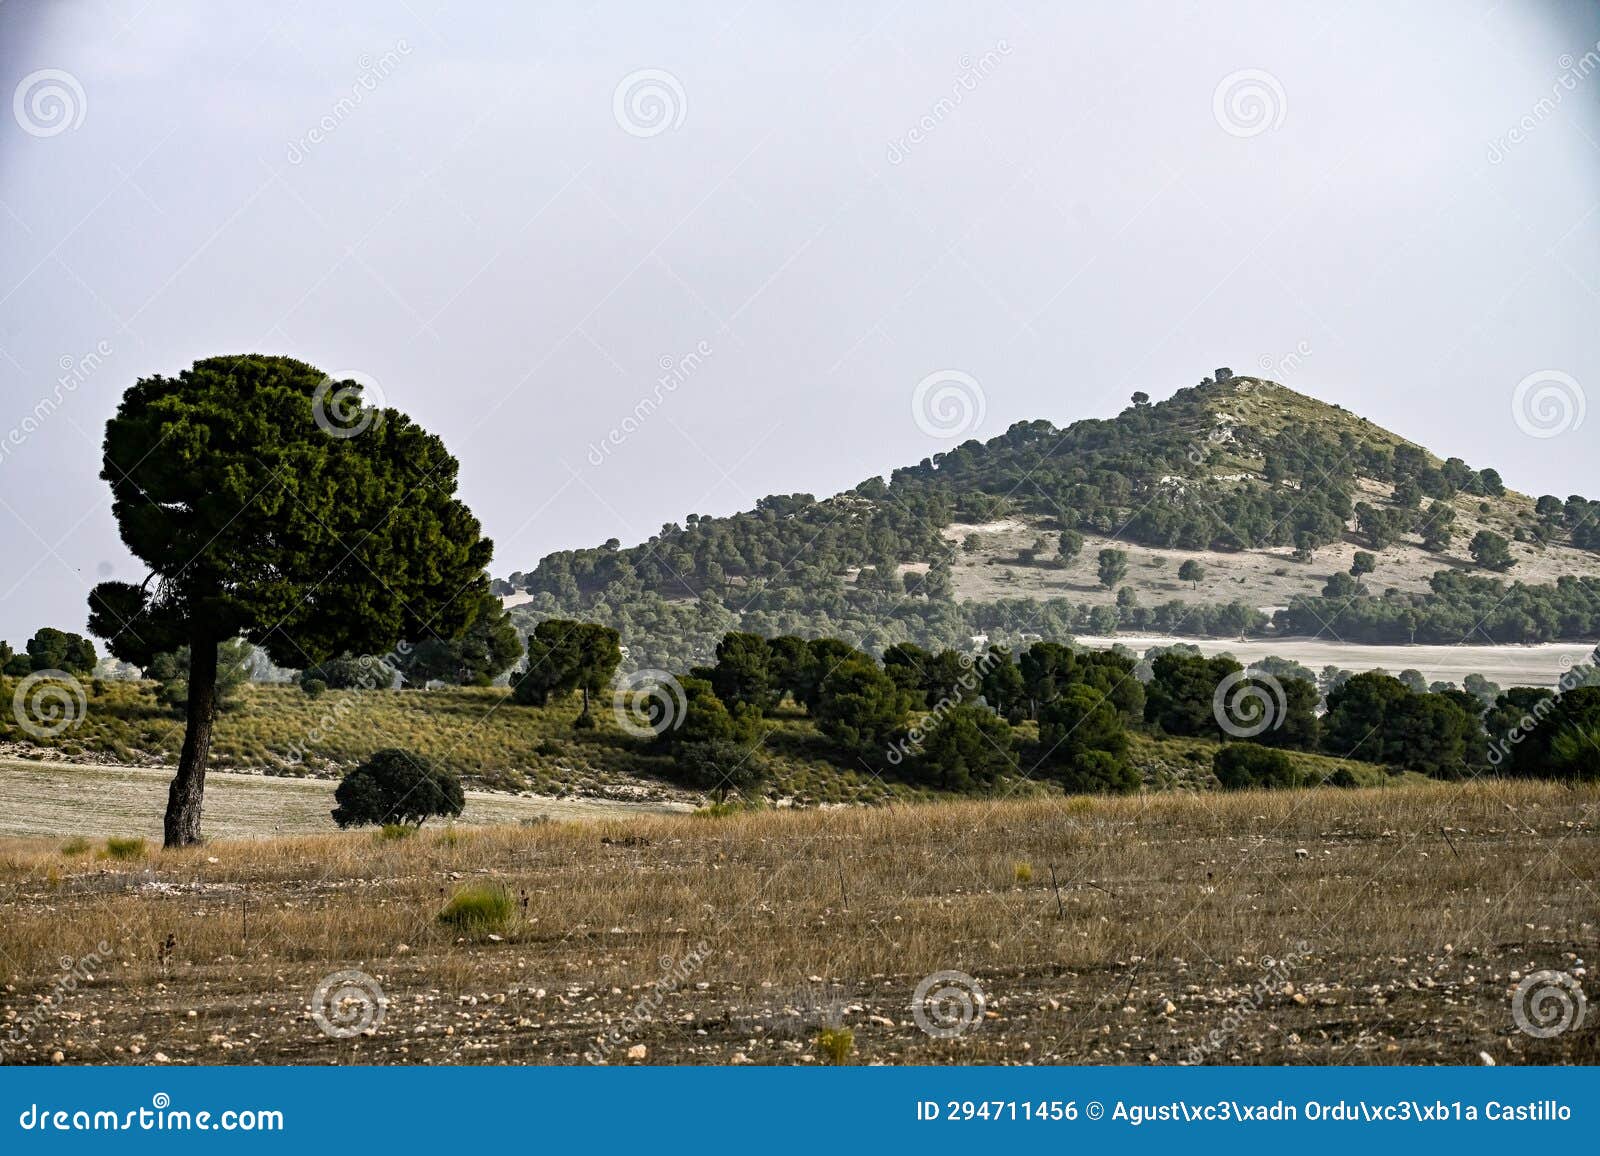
(511, 217)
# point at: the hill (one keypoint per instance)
(1272, 494)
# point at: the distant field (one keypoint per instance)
(1321, 926)
(57, 799)
(1539, 665)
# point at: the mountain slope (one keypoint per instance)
(1271, 492)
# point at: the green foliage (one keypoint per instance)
(1535, 733)
(347, 672)
(313, 687)
(52, 649)
(480, 909)
(125, 848)
(1241, 765)
(564, 656)
(1192, 572)
(171, 672)
(1376, 717)
(1363, 563)
(743, 673)
(1083, 743)
(77, 845)
(1491, 551)
(861, 709)
(252, 506)
(966, 748)
(488, 648)
(397, 786)
(1069, 546)
(836, 1044)
(1113, 567)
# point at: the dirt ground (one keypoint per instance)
(1324, 926)
(47, 798)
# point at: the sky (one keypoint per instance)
(635, 261)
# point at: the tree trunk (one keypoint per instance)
(586, 701)
(188, 788)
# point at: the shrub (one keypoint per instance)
(1022, 872)
(1091, 772)
(75, 846)
(395, 786)
(393, 831)
(1240, 765)
(836, 1044)
(479, 909)
(314, 687)
(133, 848)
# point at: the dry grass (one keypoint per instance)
(1415, 908)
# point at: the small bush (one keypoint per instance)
(1241, 765)
(396, 786)
(314, 687)
(75, 846)
(836, 1044)
(125, 848)
(479, 909)
(392, 831)
(1022, 872)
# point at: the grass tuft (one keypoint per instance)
(836, 1044)
(132, 848)
(479, 909)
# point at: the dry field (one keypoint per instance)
(1396, 938)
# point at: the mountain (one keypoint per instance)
(1271, 493)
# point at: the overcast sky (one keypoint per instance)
(510, 219)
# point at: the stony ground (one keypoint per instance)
(1325, 926)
